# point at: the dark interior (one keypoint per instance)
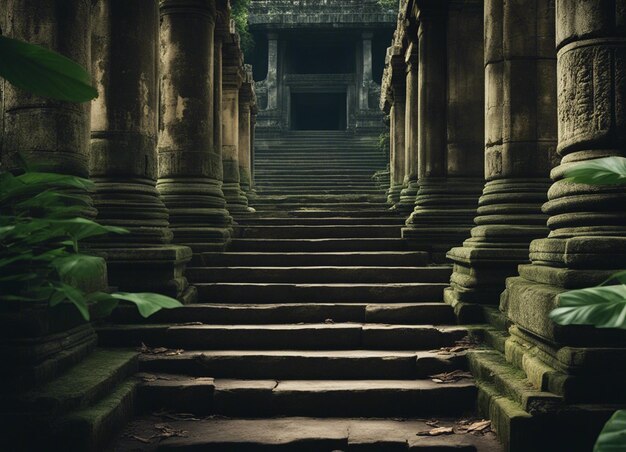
(325, 57)
(318, 111)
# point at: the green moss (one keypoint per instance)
(240, 13)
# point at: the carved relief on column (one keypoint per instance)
(587, 240)
(190, 167)
(450, 146)
(520, 144)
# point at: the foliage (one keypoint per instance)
(388, 4)
(603, 171)
(43, 72)
(240, 12)
(384, 142)
(603, 306)
(40, 258)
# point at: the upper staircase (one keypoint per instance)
(319, 329)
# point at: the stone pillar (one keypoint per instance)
(520, 145)
(366, 70)
(245, 160)
(451, 82)
(272, 71)
(253, 115)
(587, 239)
(397, 117)
(411, 140)
(123, 150)
(190, 168)
(231, 84)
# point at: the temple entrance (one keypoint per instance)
(318, 111)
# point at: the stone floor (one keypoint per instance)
(320, 329)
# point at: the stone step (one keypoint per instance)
(302, 435)
(317, 172)
(339, 201)
(262, 191)
(303, 364)
(318, 274)
(224, 314)
(321, 221)
(322, 293)
(311, 208)
(323, 398)
(322, 245)
(319, 212)
(395, 258)
(319, 232)
(313, 336)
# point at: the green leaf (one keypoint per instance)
(603, 307)
(617, 278)
(76, 268)
(44, 72)
(613, 436)
(102, 304)
(603, 171)
(148, 303)
(65, 292)
(81, 228)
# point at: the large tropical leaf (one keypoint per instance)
(613, 436)
(148, 303)
(76, 268)
(604, 171)
(43, 72)
(603, 307)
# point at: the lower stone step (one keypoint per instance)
(290, 259)
(301, 434)
(323, 398)
(312, 336)
(323, 221)
(303, 364)
(319, 232)
(433, 274)
(220, 314)
(320, 293)
(323, 245)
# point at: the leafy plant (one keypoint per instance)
(384, 142)
(40, 257)
(388, 4)
(240, 13)
(43, 72)
(603, 306)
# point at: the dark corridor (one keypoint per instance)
(318, 111)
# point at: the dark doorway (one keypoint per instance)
(318, 111)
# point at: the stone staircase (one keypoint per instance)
(318, 330)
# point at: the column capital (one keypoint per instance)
(204, 7)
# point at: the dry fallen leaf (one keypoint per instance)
(432, 423)
(479, 426)
(437, 431)
(140, 439)
(450, 377)
(329, 321)
(167, 431)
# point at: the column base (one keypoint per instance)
(406, 203)
(236, 200)
(393, 195)
(159, 269)
(444, 214)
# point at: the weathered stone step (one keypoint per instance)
(394, 258)
(302, 364)
(319, 232)
(323, 293)
(318, 172)
(259, 220)
(319, 274)
(218, 314)
(319, 212)
(341, 201)
(303, 435)
(320, 336)
(325, 398)
(262, 191)
(320, 245)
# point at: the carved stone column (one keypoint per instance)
(123, 150)
(190, 168)
(411, 140)
(397, 118)
(520, 148)
(450, 144)
(366, 70)
(233, 76)
(587, 240)
(246, 94)
(272, 71)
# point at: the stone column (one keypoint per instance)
(253, 115)
(520, 146)
(411, 140)
(397, 117)
(366, 70)
(245, 100)
(123, 150)
(587, 240)
(451, 82)
(231, 84)
(272, 71)
(190, 167)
